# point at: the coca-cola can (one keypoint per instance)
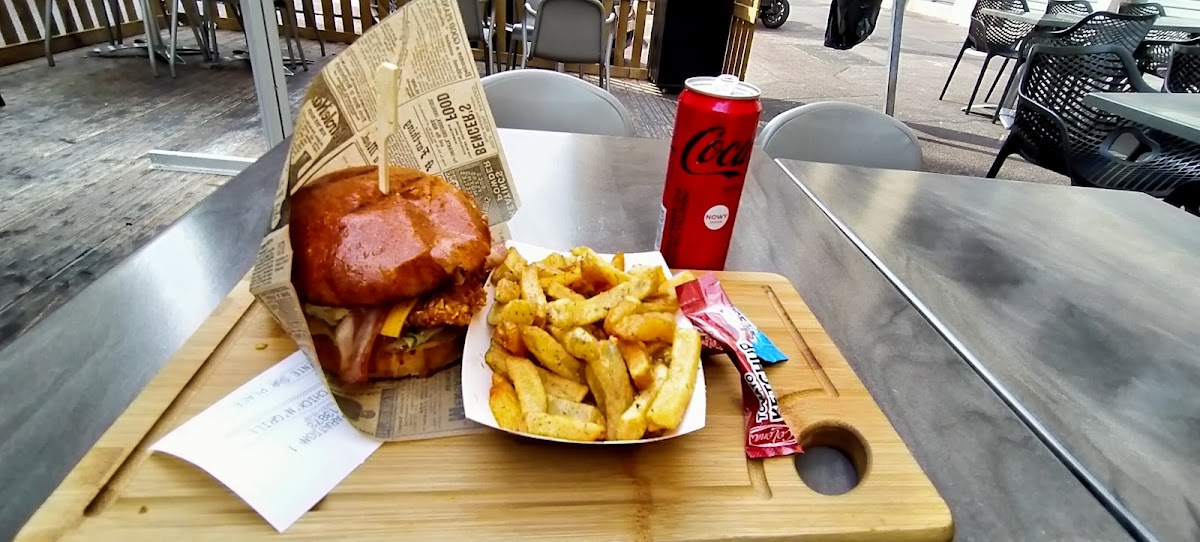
(710, 152)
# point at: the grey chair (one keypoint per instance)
(555, 102)
(571, 31)
(842, 133)
(477, 30)
(520, 30)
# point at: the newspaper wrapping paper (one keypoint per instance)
(444, 126)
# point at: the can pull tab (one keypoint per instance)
(727, 83)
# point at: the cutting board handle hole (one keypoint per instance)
(835, 458)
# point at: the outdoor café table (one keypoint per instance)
(1077, 305)
(1064, 20)
(1175, 114)
(65, 380)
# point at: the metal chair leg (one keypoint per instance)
(48, 25)
(487, 56)
(102, 18)
(115, 9)
(174, 36)
(1012, 77)
(1006, 149)
(210, 26)
(978, 82)
(195, 22)
(988, 98)
(952, 70)
(151, 28)
(310, 18)
(289, 23)
(524, 46)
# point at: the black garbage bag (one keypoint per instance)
(850, 22)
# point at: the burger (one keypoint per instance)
(388, 282)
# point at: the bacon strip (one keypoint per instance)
(355, 339)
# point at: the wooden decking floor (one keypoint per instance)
(76, 193)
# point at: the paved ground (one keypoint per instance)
(793, 67)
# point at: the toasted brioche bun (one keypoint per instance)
(355, 246)
(430, 357)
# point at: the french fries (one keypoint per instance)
(613, 379)
(563, 427)
(565, 388)
(531, 291)
(508, 336)
(594, 309)
(648, 327)
(497, 359)
(530, 392)
(574, 409)
(621, 310)
(633, 421)
(551, 354)
(505, 405)
(512, 268)
(561, 291)
(641, 370)
(522, 312)
(587, 349)
(672, 399)
(507, 290)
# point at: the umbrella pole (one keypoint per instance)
(894, 56)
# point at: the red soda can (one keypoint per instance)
(710, 152)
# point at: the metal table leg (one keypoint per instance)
(266, 61)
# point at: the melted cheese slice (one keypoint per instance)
(394, 324)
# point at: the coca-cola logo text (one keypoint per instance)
(707, 153)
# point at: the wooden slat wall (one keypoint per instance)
(75, 23)
(741, 37)
(337, 21)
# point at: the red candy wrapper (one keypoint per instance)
(706, 305)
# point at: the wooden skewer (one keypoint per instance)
(385, 116)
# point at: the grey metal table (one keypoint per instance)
(1077, 305)
(1064, 20)
(66, 379)
(1175, 114)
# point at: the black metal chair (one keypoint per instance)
(1154, 52)
(1054, 129)
(994, 37)
(1100, 28)
(1072, 7)
(1183, 70)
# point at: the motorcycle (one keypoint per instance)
(773, 12)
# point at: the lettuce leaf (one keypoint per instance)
(412, 338)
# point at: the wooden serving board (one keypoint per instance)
(495, 486)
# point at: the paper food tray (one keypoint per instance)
(477, 375)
